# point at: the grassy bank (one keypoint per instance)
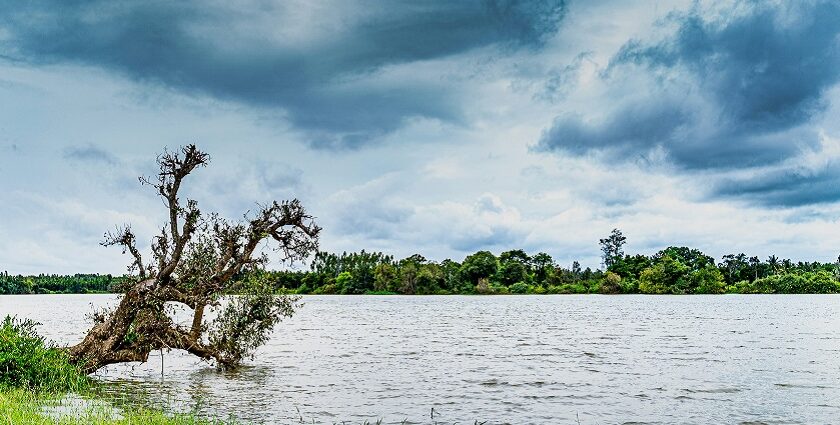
(39, 385)
(21, 406)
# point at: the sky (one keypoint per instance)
(437, 127)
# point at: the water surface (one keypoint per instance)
(506, 359)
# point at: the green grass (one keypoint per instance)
(21, 406)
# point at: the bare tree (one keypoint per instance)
(196, 259)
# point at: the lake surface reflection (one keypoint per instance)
(505, 359)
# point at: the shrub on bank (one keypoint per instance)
(520, 288)
(327, 289)
(611, 284)
(629, 286)
(742, 287)
(821, 282)
(27, 361)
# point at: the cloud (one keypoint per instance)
(90, 153)
(561, 81)
(62, 225)
(324, 65)
(490, 225)
(368, 211)
(247, 183)
(809, 179)
(766, 68)
(741, 88)
(787, 188)
(631, 128)
(377, 212)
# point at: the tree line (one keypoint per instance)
(59, 284)
(673, 270)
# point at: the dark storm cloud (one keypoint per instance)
(760, 76)
(743, 90)
(321, 77)
(767, 70)
(787, 188)
(633, 127)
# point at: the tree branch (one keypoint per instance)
(125, 238)
(174, 167)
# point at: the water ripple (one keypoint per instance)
(517, 359)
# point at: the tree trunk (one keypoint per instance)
(138, 326)
(108, 342)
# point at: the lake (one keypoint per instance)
(562, 359)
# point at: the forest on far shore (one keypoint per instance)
(674, 270)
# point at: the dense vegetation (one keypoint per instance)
(58, 284)
(674, 270)
(27, 361)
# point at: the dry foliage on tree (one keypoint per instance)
(195, 260)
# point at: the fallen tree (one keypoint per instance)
(194, 262)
